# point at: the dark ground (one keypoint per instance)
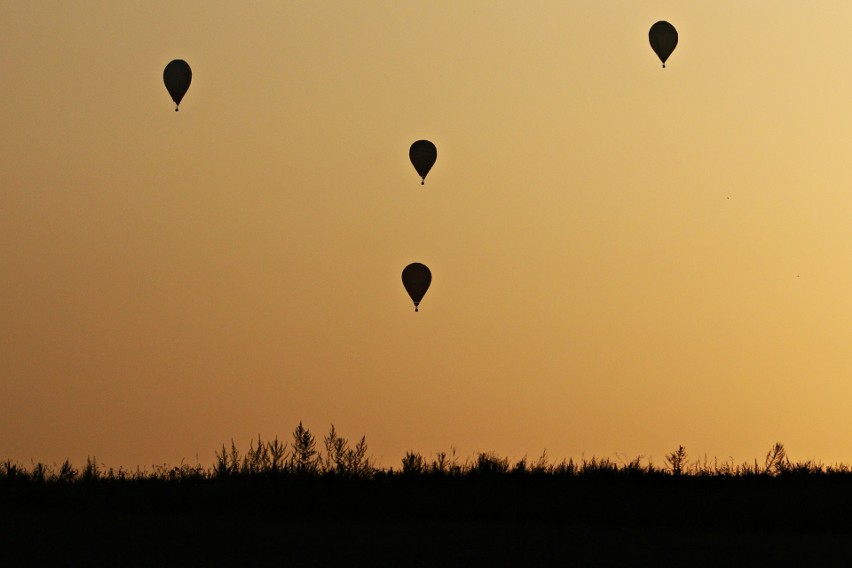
(441, 521)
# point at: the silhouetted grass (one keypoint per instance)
(327, 496)
(303, 457)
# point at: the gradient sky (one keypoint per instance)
(625, 258)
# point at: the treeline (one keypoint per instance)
(334, 456)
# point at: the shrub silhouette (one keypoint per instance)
(91, 472)
(304, 458)
(257, 459)
(413, 464)
(66, 472)
(277, 455)
(340, 459)
(489, 463)
(677, 460)
(776, 462)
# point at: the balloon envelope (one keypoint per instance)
(416, 278)
(423, 155)
(177, 76)
(663, 38)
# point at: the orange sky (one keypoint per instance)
(624, 258)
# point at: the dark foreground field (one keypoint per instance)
(452, 521)
(295, 505)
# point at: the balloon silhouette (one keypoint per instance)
(177, 76)
(423, 155)
(416, 278)
(663, 38)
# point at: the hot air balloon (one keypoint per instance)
(423, 155)
(177, 76)
(416, 278)
(663, 38)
